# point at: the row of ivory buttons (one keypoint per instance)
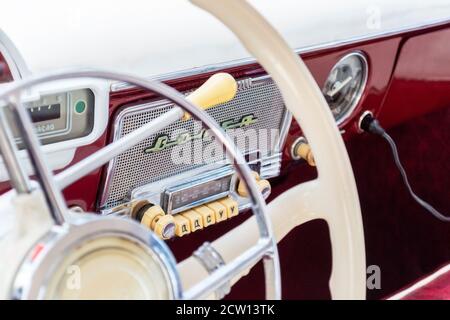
(166, 226)
(204, 216)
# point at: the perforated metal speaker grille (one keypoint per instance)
(135, 168)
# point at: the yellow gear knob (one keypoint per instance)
(219, 88)
(165, 227)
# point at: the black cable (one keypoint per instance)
(372, 125)
(419, 200)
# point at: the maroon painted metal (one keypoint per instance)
(421, 81)
(5, 72)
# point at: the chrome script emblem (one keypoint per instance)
(164, 142)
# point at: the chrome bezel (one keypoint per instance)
(362, 87)
(361, 117)
(294, 145)
(33, 276)
(201, 180)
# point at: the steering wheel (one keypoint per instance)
(332, 196)
(112, 253)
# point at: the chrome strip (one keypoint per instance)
(211, 260)
(117, 86)
(285, 126)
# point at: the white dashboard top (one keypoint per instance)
(155, 37)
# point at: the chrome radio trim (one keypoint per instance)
(117, 127)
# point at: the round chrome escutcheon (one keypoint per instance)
(98, 258)
(345, 85)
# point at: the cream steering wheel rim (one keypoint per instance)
(333, 196)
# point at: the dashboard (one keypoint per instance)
(73, 120)
(397, 71)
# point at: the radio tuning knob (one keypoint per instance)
(263, 185)
(302, 150)
(154, 218)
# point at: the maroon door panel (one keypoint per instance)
(421, 80)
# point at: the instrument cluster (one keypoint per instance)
(61, 116)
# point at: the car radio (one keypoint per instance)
(188, 202)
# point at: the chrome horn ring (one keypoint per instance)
(265, 248)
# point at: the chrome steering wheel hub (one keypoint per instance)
(134, 263)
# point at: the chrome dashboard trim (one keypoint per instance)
(153, 192)
(118, 86)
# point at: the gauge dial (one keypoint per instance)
(345, 85)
